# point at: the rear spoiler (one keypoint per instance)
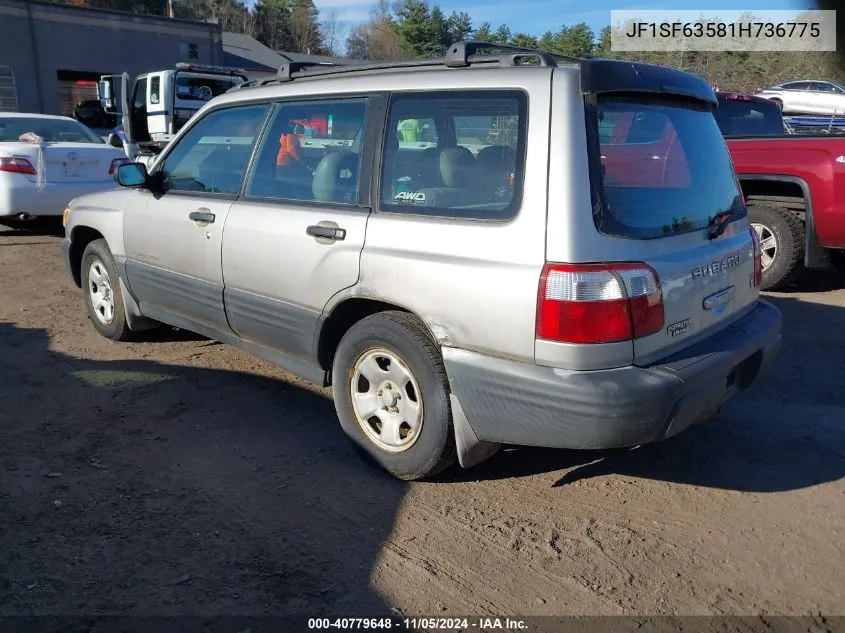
(603, 76)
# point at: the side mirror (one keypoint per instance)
(131, 175)
(104, 88)
(114, 141)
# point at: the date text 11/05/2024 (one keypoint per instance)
(414, 624)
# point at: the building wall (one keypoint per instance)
(38, 40)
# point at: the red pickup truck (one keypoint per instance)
(794, 187)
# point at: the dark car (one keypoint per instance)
(92, 113)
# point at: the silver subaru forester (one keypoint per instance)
(498, 247)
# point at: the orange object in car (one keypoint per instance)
(288, 150)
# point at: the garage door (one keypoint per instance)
(8, 93)
(72, 92)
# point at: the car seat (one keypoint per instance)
(336, 178)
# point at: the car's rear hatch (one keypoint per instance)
(668, 181)
(669, 239)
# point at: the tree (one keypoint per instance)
(460, 26)
(502, 34)
(603, 49)
(378, 39)
(413, 23)
(482, 33)
(547, 41)
(330, 32)
(575, 41)
(273, 24)
(441, 37)
(358, 42)
(305, 27)
(525, 40)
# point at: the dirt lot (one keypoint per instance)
(181, 476)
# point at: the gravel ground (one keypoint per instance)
(182, 476)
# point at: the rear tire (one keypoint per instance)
(782, 237)
(383, 356)
(101, 292)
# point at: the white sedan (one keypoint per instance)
(807, 97)
(46, 161)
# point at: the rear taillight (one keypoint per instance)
(598, 303)
(117, 162)
(17, 166)
(757, 254)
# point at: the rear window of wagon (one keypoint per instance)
(660, 167)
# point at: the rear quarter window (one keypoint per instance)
(458, 154)
(660, 167)
(749, 118)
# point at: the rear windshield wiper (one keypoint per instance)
(720, 221)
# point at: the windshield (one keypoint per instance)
(51, 130)
(200, 88)
(749, 118)
(663, 168)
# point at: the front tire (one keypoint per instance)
(101, 291)
(782, 240)
(391, 395)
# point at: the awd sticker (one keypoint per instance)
(414, 197)
(676, 329)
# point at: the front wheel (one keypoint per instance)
(392, 395)
(101, 290)
(782, 242)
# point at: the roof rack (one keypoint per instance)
(461, 54)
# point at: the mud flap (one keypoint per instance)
(471, 450)
(134, 319)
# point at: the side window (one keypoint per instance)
(213, 154)
(155, 89)
(311, 152)
(466, 158)
(139, 100)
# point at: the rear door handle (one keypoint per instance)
(326, 232)
(205, 217)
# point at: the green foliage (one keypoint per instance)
(483, 33)
(525, 40)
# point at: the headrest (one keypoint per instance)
(496, 157)
(456, 166)
(336, 178)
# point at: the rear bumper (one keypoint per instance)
(19, 195)
(510, 402)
